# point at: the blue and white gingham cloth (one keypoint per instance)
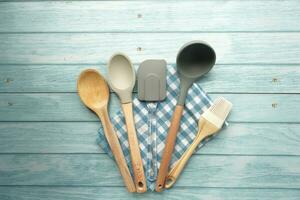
(196, 103)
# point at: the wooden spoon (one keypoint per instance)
(94, 93)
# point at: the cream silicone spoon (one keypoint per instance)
(94, 93)
(122, 80)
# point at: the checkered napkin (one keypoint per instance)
(196, 103)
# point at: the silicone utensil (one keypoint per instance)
(122, 80)
(152, 88)
(94, 93)
(194, 59)
(210, 122)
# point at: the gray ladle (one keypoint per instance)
(122, 80)
(194, 59)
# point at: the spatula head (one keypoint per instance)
(152, 80)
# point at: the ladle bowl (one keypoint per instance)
(195, 59)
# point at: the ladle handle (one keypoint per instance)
(116, 149)
(136, 159)
(169, 146)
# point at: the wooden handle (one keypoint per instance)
(180, 164)
(136, 159)
(205, 129)
(169, 146)
(116, 149)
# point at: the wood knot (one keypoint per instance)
(139, 49)
(10, 104)
(8, 80)
(139, 15)
(274, 105)
(275, 80)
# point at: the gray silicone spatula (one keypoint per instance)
(152, 88)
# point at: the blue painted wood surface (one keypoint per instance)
(47, 137)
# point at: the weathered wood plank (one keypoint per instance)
(114, 193)
(223, 78)
(99, 170)
(80, 137)
(137, 16)
(49, 137)
(67, 107)
(75, 48)
(48, 107)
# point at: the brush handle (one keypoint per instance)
(116, 149)
(180, 164)
(136, 159)
(169, 146)
(205, 129)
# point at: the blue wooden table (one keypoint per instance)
(47, 137)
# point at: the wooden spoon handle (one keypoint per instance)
(169, 146)
(180, 164)
(116, 149)
(136, 159)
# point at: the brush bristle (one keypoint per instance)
(218, 112)
(221, 107)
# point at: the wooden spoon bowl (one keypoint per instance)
(93, 90)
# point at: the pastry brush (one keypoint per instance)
(210, 122)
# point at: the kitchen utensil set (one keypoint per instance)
(194, 60)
